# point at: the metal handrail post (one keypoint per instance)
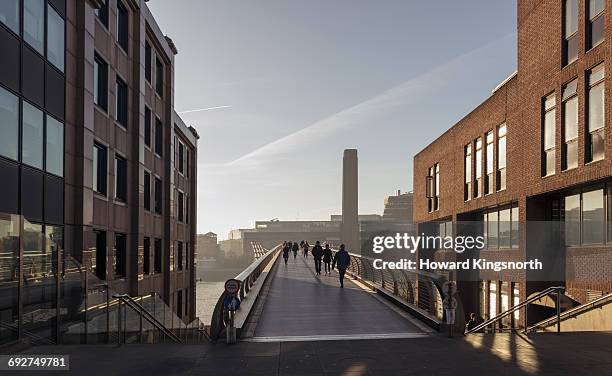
(140, 335)
(558, 311)
(118, 322)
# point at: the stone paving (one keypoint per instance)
(479, 354)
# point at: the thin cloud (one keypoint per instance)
(204, 109)
(366, 113)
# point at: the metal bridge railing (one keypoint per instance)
(419, 291)
(247, 278)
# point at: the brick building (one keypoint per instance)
(95, 162)
(537, 150)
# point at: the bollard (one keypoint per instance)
(230, 331)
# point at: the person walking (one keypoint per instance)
(295, 248)
(343, 260)
(317, 254)
(306, 248)
(327, 257)
(286, 249)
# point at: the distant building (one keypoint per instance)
(273, 232)
(398, 207)
(207, 245)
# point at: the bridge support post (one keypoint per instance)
(230, 331)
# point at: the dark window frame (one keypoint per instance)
(159, 137)
(147, 190)
(120, 256)
(101, 84)
(102, 13)
(121, 178)
(158, 192)
(100, 171)
(147, 127)
(123, 26)
(121, 102)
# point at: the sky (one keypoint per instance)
(277, 89)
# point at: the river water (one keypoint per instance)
(207, 294)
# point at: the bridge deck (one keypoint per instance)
(304, 306)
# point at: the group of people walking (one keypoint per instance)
(321, 255)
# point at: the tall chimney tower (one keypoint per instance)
(350, 206)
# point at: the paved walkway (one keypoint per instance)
(299, 306)
(478, 355)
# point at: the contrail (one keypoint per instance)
(203, 109)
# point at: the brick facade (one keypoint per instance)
(518, 104)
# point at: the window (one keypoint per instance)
(571, 214)
(179, 304)
(585, 218)
(32, 145)
(593, 217)
(596, 22)
(548, 136)
(180, 255)
(180, 203)
(122, 26)
(148, 67)
(99, 261)
(433, 191)
(181, 156)
(120, 179)
(9, 118)
(437, 187)
(146, 262)
(55, 147)
(122, 103)
(502, 131)
(102, 13)
(158, 196)
(172, 258)
(595, 116)
(570, 126)
(9, 14)
(34, 24)
(99, 169)
(147, 127)
(55, 38)
(488, 183)
(570, 31)
(157, 266)
(120, 255)
(100, 82)
(501, 227)
(159, 137)
(147, 190)
(467, 172)
(186, 209)
(478, 169)
(186, 161)
(159, 77)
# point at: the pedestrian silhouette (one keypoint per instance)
(286, 248)
(295, 248)
(327, 258)
(317, 254)
(342, 260)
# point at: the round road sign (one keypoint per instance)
(232, 286)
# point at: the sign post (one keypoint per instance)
(450, 304)
(231, 303)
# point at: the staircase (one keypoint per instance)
(595, 315)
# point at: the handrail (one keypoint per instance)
(247, 278)
(571, 312)
(524, 303)
(144, 313)
(413, 283)
(34, 337)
